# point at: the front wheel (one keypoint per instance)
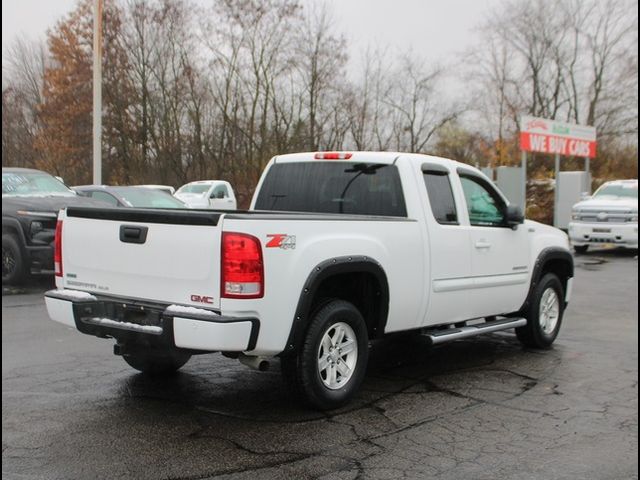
(544, 315)
(156, 363)
(330, 366)
(13, 268)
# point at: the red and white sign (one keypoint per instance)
(549, 136)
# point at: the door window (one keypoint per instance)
(485, 207)
(220, 191)
(441, 199)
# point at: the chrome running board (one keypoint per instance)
(441, 336)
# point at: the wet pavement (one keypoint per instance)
(481, 408)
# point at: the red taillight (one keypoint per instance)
(333, 156)
(57, 250)
(242, 270)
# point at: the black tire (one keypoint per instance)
(302, 371)
(581, 248)
(533, 334)
(157, 363)
(13, 267)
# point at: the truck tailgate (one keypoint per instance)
(169, 256)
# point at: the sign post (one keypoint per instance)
(97, 92)
(556, 195)
(523, 166)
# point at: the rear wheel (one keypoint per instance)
(13, 268)
(544, 315)
(330, 366)
(157, 363)
(581, 248)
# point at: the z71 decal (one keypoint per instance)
(281, 240)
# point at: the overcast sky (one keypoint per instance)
(434, 29)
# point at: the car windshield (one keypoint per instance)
(33, 184)
(148, 198)
(194, 188)
(623, 190)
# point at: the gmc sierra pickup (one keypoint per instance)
(336, 250)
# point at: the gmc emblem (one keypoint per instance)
(201, 299)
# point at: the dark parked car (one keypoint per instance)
(130, 196)
(31, 200)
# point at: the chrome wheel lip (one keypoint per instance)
(337, 355)
(549, 311)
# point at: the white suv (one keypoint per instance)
(609, 217)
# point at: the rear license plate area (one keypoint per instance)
(137, 314)
(601, 230)
(123, 312)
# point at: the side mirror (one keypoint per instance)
(585, 196)
(514, 216)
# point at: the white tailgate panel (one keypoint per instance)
(175, 262)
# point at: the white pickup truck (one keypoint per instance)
(336, 250)
(609, 218)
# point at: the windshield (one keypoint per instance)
(624, 190)
(148, 198)
(194, 188)
(33, 184)
(333, 187)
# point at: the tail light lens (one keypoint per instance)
(57, 250)
(242, 269)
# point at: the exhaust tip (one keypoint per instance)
(261, 364)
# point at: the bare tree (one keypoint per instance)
(572, 65)
(23, 68)
(369, 122)
(418, 111)
(321, 58)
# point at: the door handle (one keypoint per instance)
(133, 233)
(482, 244)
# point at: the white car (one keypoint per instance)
(609, 217)
(214, 194)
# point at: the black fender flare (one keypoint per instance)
(327, 269)
(545, 256)
(11, 224)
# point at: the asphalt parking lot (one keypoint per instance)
(481, 408)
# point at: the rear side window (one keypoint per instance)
(220, 191)
(441, 199)
(105, 197)
(333, 187)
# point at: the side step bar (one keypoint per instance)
(447, 335)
